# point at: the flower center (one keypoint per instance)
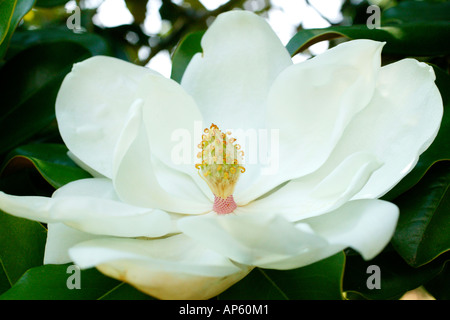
(220, 166)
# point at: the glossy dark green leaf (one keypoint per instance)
(50, 160)
(6, 13)
(439, 287)
(187, 48)
(21, 8)
(124, 291)
(94, 43)
(49, 282)
(50, 3)
(423, 229)
(321, 280)
(413, 11)
(439, 150)
(22, 244)
(29, 83)
(5, 283)
(396, 276)
(408, 39)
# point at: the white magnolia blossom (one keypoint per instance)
(347, 130)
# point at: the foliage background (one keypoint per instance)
(37, 50)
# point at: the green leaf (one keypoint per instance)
(50, 3)
(6, 13)
(6, 31)
(5, 283)
(408, 39)
(124, 291)
(439, 286)
(29, 83)
(22, 244)
(49, 282)
(413, 11)
(423, 229)
(50, 160)
(396, 276)
(438, 151)
(187, 48)
(321, 280)
(94, 43)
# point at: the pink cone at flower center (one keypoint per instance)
(224, 206)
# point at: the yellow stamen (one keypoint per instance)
(221, 162)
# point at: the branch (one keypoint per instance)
(320, 14)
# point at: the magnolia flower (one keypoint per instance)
(346, 130)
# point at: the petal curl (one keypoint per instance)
(136, 180)
(364, 225)
(172, 122)
(320, 192)
(400, 123)
(91, 105)
(172, 268)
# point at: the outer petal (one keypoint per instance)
(312, 103)
(172, 268)
(60, 238)
(365, 225)
(253, 239)
(135, 178)
(91, 106)
(230, 79)
(89, 213)
(400, 123)
(320, 192)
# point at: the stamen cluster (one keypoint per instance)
(221, 160)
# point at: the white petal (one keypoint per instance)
(30, 207)
(400, 122)
(136, 181)
(101, 188)
(253, 239)
(84, 166)
(60, 238)
(311, 104)
(89, 213)
(365, 225)
(172, 268)
(322, 191)
(91, 105)
(173, 122)
(230, 79)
